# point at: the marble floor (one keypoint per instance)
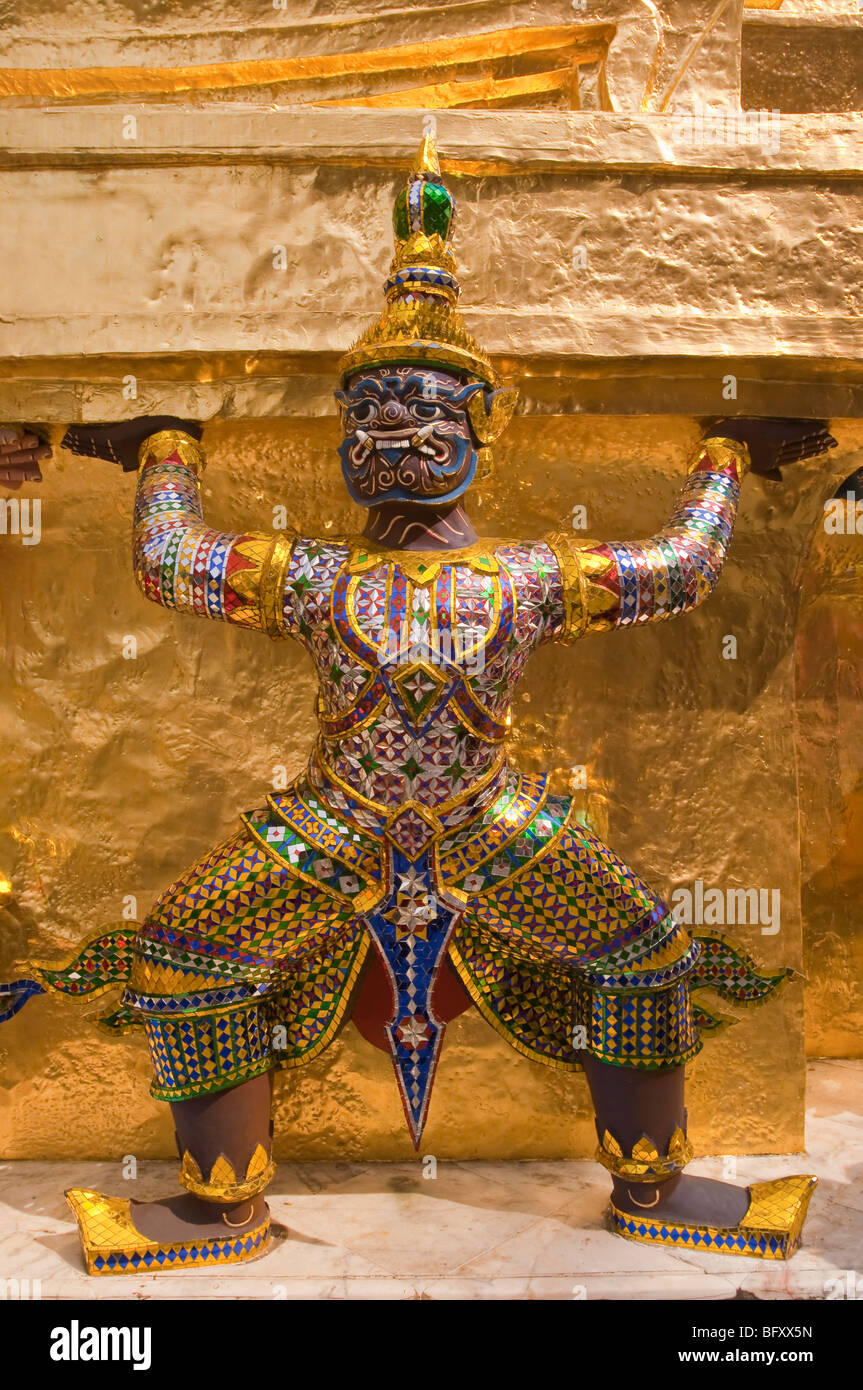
(475, 1231)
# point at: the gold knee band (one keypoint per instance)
(645, 1163)
(223, 1185)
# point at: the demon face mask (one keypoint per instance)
(408, 435)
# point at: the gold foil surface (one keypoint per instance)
(564, 47)
(132, 738)
(829, 710)
(534, 54)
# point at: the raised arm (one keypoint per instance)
(610, 584)
(182, 563)
(179, 561)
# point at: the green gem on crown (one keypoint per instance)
(420, 322)
(436, 209)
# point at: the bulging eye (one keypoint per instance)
(425, 410)
(361, 413)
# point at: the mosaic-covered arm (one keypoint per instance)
(182, 564)
(607, 584)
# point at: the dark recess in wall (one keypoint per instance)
(802, 68)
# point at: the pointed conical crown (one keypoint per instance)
(420, 322)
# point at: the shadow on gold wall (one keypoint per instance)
(830, 734)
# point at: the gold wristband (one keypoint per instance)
(722, 453)
(645, 1163)
(223, 1185)
(159, 446)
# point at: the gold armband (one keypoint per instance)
(223, 1184)
(574, 586)
(645, 1163)
(586, 602)
(160, 446)
(722, 454)
(272, 585)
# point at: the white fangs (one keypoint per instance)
(386, 441)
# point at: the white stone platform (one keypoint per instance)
(476, 1231)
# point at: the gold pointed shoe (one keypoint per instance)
(770, 1230)
(112, 1245)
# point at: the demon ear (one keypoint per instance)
(490, 412)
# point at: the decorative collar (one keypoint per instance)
(423, 566)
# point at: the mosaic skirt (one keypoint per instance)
(252, 958)
(241, 966)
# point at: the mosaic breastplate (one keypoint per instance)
(418, 657)
(417, 661)
(423, 649)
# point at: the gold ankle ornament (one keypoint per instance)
(645, 1163)
(235, 1225)
(770, 1229)
(223, 1185)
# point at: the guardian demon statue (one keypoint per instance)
(412, 871)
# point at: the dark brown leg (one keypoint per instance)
(632, 1103)
(231, 1123)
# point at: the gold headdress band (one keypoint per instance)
(421, 323)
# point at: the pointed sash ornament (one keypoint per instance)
(412, 931)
